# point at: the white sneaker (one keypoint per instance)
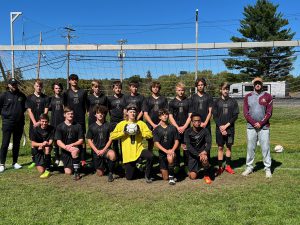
(2, 168)
(17, 166)
(247, 172)
(172, 180)
(268, 174)
(60, 164)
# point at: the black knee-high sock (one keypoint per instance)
(47, 161)
(171, 170)
(111, 165)
(56, 153)
(76, 164)
(186, 157)
(33, 152)
(228, 160)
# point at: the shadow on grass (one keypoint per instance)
(260, 165)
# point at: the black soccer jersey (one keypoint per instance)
(40, 135)
(153, 105)
(196, 142)
(12, 108)
(56, 106)
(224, 111)
(165, 136)
(137, 100)
(77, 101)
(180, 110)
(92, 101)
(201, 105)
(116, 106)
(68, 134)
(37, 105)
(99, 134)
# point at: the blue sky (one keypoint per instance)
(138, 21)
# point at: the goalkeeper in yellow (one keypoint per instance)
(132, 132)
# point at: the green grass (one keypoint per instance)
(231, 199)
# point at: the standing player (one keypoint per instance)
(165, 138)
(76, 98)
(98, 138)
(132, 144)
(42, 139)
(36, 104)
(258, 107)
(69, 137)
(135, 98)
(56, 106)
(12, 108)
(198, 143)
(180, 118)
(225, 112)
(151, 106)
(96, 97)
(116, 106)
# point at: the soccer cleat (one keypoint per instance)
(77, 176)
(56, 162)
(229, 169)
(46, 174)
(207, 180)
(172, 180)
(17, 166)
(148, 180)
(110, 177)
(2, 168)
(31, 166)
(247, 172)
(268, 173)
(219, 171)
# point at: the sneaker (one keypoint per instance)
(60, 164)
(219, 171)
(2, 168)
(17, 166)
(247, 172)
(46, 174)
(56, 162)
(207, 180)
(268, 174)
(148, 180)
(77, 176)
(229, 169)
(172, 180)
(31, 166)
(110, 177)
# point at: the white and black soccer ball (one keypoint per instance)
(132, 128)
(278, 148)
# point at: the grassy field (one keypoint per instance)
(231, 199)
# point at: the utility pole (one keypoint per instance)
(196, 62)
(13, 17)
(39, 59)
(121, 56)
(69, 36)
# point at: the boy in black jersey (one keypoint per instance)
(96, 97)
(42, 139)
(56, 106)
(36, 104)
(151, 106)
(99, 141)
(135, 98)
(225, 113)
(12, 108)
(198, 143)
(166, 139)
(76, 98)
(116, 107)
(180, 118)
(69, 137)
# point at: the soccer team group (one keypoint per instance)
(182, 124)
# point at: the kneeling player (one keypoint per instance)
(132, 132)
(166, 139)
(198, 142)
(69, 137)
(42, 139)
(99, 141)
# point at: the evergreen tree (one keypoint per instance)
(262, 22)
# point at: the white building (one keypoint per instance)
(277, 89)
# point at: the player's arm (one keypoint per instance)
(93, 147)
(118, 132)
(160, 147)
(106, 147)
(36, 144)
(175, 146)
(187, 122)
(208, 116)
(140, 115)
(31, 116)
(269, 110)
(172, 121)
(149, 120)
(145, 131)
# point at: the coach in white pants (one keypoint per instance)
(258, 106)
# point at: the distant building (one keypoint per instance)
(279, 89)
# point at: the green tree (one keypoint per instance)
(262, 22)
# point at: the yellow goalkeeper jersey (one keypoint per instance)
(131, 151)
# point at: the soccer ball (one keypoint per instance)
(278, 148)
(131, 128)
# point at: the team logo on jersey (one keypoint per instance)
(200, 106)
(165, 140)
(20, 99)
(225, 109)
(75, 100)
(181, 107)
(118, 104)
(69, 133)
(57, 105)
(38, 102)
(100, 135)
(155, 108)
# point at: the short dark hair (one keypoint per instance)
(154, 84)
(73, 77)
(58, 84)
(224, 85)
(163, 112)
(100, 109)
(195, 114)
(44, 116)
(117, 83)
(200, 79)
(68, 109)
(133, 83)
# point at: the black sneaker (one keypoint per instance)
(77, 176)
(110, 177)
(148, 180)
